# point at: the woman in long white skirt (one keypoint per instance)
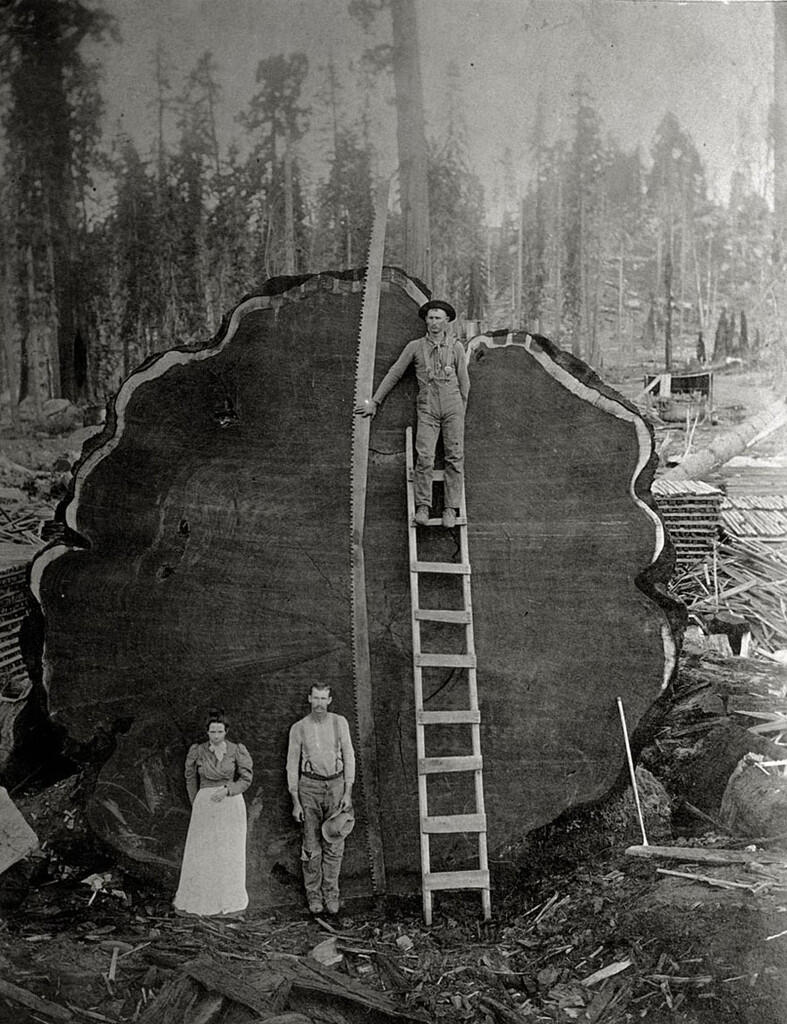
(213, 873)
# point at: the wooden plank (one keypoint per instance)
(448, 717)
(464, 763)
(703, 855)
(445, 660)
(447, 824)
(442, 615)
(437, 521)
(33, 1002)
(456, 880)
(455, 568)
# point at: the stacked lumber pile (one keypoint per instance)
(747, 577)
(748, 570)
(21, 524)
(762, 516)
(14, 560)
(692, 513)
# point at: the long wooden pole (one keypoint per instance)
(632, 772)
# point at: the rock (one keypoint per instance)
(755, 799)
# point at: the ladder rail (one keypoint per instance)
(446, 824)
(418, 690)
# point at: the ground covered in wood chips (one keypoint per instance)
(581, 932)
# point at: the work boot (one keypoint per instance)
(332, 906)
(449, 518)
(422, 515)
(315, 906)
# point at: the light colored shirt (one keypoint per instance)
(444, 362)
(219, 750)
(320, 748)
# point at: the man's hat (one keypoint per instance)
(339, 825)
(437, 304)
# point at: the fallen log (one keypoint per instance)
(22, 997)
(207, 561)
(729, 444)
(699, 732)
(283, 988)
(705, 855)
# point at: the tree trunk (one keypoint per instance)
(215, 563)
(558, 332)
(780, 126)
(668, 303)
(11, 356)
(518, 284)
(725, 447)
(619, 325)
(37, 341)
(289, 223)
(411, 137)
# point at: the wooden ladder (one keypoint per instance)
(452, 823)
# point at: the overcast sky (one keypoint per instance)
(709, 62)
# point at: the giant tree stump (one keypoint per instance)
(209, 561)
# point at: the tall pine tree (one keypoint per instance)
(51, 129)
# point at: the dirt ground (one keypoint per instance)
(581, 930)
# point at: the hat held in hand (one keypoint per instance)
(339, 825)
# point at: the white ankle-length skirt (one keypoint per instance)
(213, 873)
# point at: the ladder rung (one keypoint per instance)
(451, 823)
(442, 615)
(448, 717)
(456, 880)
(467, 763)
(437, 521)
(456, 568)
(445, 660)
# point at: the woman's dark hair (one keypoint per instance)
(216, 715)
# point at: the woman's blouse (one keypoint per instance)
(233, 770)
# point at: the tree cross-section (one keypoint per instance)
(210, 526)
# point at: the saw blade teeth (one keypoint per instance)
(361, 428)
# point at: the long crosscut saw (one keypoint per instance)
(362, 674)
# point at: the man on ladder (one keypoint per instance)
(443, 387)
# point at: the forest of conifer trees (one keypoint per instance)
(111, 252)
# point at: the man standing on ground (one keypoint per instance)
(443, 387)
(320, 777)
